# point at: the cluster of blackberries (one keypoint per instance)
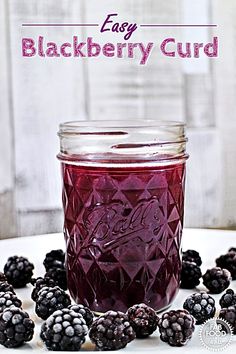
(66, 326)
(16, 327)
(202, 307)
(216, 279)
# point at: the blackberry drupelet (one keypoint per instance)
(39, 284)
(15, 327)
(59, 276)
(190, 275)
(192, 256)
(54, 259)
(176, 327)
(50, 300)
(5, 286)
(201, 306)
(228, 299)
(64, 330)
(2, 277)
(216, 279)
(18, 271)
(8, 299)
(84, 312)
(143, 319)
(228, 261)
(229, 314)
(111, 331)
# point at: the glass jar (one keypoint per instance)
(123, 198)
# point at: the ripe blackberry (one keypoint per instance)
(2, 277)
(232, 249)
(50, 300)
(64, 330)
(5, 286)
(229, 314)
(111, 331)
(143, 319)
(176, 327)
(8, 299)
(228, 299)
(15, 327)
(18, 271)
(192, 256)
(84, 312)
(54, 259)
(190, 275)
(59, 276)
(228, 261)
(201, 306)
(39, 284)
(216, 279)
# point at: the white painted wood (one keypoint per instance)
(204, 189)
(6, 148)
(45, 92)
(7, 207)
(224, 102)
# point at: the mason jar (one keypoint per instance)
(123, 199)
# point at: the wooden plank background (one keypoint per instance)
(37, 94)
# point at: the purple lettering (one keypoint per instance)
(211, 49)
(90, 46)
(63, 49)
(187, 54)
(28, 49)
(145, 52)
(163, 47)
(103, 29)
(52, 50)
(108, 49)
(77, 47)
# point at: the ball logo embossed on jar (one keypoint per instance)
(120, 229)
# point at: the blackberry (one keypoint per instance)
(15, 327)
(39, 284)
(50, 300)
(228, 261)
(5, 286)
(190, 275)
(8, 299)
(111, 331)
(176, 327)
(84, 312)
(143, 319)
(216, 279)
(2, 277)
(228, 299)
(192, 256)
(229, 314)
(232, 249)
(64, 330)
(54, 259)
(201, 306)
(18, 271)
(59, 276)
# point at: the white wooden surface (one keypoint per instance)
(36, 94)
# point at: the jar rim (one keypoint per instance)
(98, 125)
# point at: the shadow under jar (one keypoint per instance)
(123, 198)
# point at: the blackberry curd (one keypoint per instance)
(123, 198)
